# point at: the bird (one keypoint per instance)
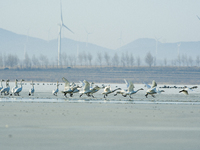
(1, 87)
(32, 90)
(152, 90)
(19, 89)
(88, 88)
(54, 92)
(186, 89)
(15, 87)
(6, 90)
(68, 88)
(129, 91)
(107, 90)
(94, 90)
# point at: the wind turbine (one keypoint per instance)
(120, 40)
(198, 17)
(88, 33)
(61, 24)
(157, 39)
(178, 45)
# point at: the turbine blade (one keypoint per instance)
(61, 11)
(67, 28)
(198, 17)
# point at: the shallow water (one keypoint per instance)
(43, 93)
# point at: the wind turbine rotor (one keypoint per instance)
(67, 28)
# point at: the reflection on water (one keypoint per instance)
(43, 93)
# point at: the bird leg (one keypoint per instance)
(146, 95)
(81, 95)
(65, 94)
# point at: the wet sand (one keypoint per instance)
(97, 126)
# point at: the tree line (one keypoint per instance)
(101, 59)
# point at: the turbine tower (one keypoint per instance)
(88, 33)
(61, 24)
(157, 39)
(120, 40)
(178, 45)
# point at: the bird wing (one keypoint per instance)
(127, 83)
(148, 86)
(67, 84)
(154, 84)
(131, 86)
(86, 86)
(107, 89)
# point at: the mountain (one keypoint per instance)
(12, 43)
(141, 47)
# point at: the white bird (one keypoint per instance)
(19, 89)
(152, 90)
(15, 87)
(129, 91)
(54, 92)
(32, 90)
(6, 90)
(186, 90)
(1, 87)
(88, 88)
(107, 90)
(68, 88)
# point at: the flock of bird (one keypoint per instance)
(88, 89)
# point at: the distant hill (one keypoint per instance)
(12, 43)
(15, 43)
(141, 47)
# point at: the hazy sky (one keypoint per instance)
(173, 20)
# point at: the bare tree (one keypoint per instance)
(190, 61)
(165, 62)
(179, 60)
(27, 61)
(12, 60)
(115, 60)
(197, 60)
(154, 61)
(80, 58)
(35, 61)
(107, 58)
(131, 60)
(138, 61)
(89, 56)
(64, 59)
(149, 59)
(44, 60)
(72, 60)
(84, 58)
(183, 60)
(1, 60)
(127, 59)
(123, 60)
(99, 58)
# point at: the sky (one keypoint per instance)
(106, 20)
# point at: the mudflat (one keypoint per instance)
(97, 126)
